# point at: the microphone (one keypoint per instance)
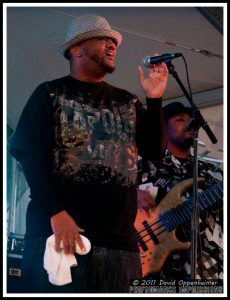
(151, 60)
(191, 125)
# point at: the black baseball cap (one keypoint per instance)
(176, 108)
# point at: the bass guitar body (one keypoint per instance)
(156, 240)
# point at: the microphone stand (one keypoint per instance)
(200, 122)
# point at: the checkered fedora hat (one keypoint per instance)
(86, 27)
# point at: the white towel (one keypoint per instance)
(57, 264)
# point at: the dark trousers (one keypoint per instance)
(102, 270)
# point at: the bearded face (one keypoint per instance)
(178, 135)
(100, 51)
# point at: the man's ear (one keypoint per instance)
(76, 51)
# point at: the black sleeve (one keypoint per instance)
(33, 135)
(32, 145)
(151, 132)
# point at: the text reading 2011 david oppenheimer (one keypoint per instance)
(175, 286)
(161, 282)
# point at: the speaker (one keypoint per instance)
(14, 274)
(15, 247)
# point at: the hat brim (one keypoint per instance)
(177, 111)
(113, 34)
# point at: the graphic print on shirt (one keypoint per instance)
(95, 136)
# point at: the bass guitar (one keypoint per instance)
(156, 227)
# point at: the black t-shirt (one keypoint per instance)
(78, 144)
